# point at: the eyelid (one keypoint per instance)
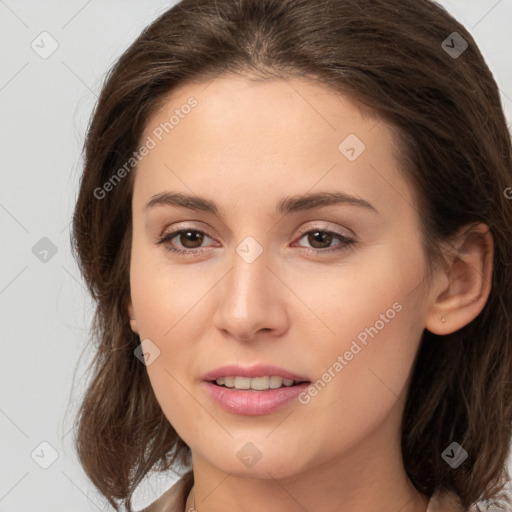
(323, 227)
(175, 229)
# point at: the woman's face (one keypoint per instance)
(333, 292)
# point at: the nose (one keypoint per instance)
(251, 300)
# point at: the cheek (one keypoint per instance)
(163, 295)
(170, 313)
(365, 368)
(375, 292)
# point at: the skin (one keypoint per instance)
(247, 145)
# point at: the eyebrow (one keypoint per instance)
(287, 205)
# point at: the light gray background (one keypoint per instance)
(45, 312)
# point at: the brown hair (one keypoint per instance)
(455, 149)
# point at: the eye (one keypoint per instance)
(320, 240)
(190, 239)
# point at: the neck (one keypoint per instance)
(413, 501)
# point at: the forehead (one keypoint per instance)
(253, 138)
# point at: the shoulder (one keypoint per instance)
(448, 501)
(174, 499)
(445, 501)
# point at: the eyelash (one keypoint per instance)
(345, 245)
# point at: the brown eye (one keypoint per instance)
(191, 239)
(317, 239)
(320, 241)
(184, 241)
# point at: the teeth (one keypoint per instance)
(256, 383)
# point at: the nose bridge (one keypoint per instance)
(250, 275)
(248, 300)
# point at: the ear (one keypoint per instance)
(131, 313)
(462, 287)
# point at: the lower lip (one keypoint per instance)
(253, 403)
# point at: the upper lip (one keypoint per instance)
(258, 370)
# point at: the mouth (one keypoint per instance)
(237, 395)
(265, 383)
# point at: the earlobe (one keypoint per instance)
(133, 321)
(466, 282)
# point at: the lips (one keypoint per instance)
(259, 370)
(250, 402)
(254, 403)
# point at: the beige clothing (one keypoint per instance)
(175, 498)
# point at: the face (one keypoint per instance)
(333, 292)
